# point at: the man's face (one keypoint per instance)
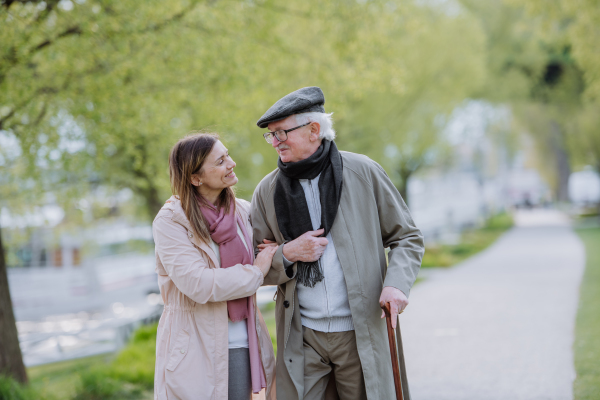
(300, 144)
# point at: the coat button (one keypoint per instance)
(190, 234)
(182, 351)
(286, 304)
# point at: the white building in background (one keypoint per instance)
(584, 187)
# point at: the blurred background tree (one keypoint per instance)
(97, 93)
(578, 22)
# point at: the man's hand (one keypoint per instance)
(397, 300)
(308, 247)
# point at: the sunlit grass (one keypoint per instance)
(11, 390)
(471, 242)
(60, 379)
(587, 329)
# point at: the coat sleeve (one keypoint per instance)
(278, 274)
(190, 272)
(398, 232)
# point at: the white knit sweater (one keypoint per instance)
(325, 306)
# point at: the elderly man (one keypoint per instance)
(333, 214)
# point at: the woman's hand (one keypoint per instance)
(265, 258)
(267, 243)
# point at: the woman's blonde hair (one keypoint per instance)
(186, 158)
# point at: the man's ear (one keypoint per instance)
(315, 131)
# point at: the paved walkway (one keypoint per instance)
(500, 325)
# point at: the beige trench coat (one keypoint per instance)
(192, 339)
(371, 217)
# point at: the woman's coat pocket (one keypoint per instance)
(179, 350)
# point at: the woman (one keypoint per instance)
(212, 341)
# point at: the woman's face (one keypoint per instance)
(216, 173)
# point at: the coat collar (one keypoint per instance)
(174, 204)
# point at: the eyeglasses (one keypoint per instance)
(280, 134)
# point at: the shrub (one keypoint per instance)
(128, 375)
(135, 363)
(12, 390)
(500, 221)
(97, 384)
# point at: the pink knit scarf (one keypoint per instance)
(223, 231)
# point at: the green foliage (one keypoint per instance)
(63, 378)
(578, 19)
(499, 222)
(587, 329)
(97, 384)
(542, 59)
(128, 375)
(135, 363)
(268, 313)
(573, 25)
(471, 242)
(97, 93)
(12, 390)
(145, 334)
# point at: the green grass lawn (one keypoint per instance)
(60, 380)
(471, 242)
(587, 329)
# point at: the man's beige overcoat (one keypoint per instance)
(371, 217)
(192, 339)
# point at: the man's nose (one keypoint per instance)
(275, 141)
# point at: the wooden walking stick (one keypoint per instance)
(393, 351)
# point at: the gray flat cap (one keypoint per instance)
(308, 99)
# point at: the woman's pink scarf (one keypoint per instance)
(223, 231)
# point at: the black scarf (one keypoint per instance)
(291, 210)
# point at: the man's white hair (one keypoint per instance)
(324, 120)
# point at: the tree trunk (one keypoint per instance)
(11, 359)
(403, 186)
(563, 168)
(153, 201)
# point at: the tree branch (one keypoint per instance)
(42, 90)
(41, 115)
(6, 118)
(162, 24)
(74, 30)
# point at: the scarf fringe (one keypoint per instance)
(309, 274)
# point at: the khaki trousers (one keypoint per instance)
(326, 352)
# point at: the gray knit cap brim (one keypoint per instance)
(308, 99)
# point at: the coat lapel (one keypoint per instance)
(180, 218)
